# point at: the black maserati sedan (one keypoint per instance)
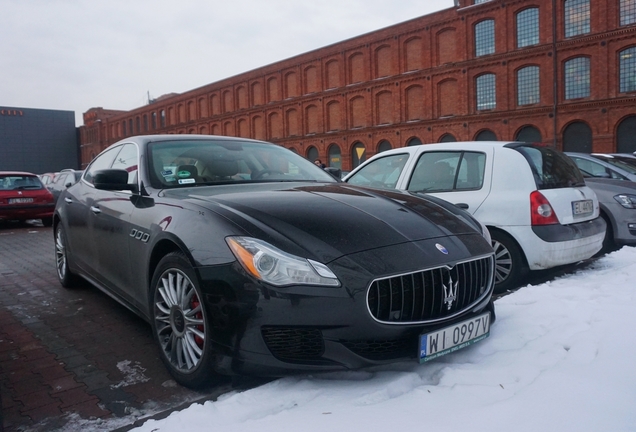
(248, 259)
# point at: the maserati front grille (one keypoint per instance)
(432, 294)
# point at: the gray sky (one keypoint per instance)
(78, 54)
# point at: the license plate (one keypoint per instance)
(454, 337)
(582, 207)
(20, 200)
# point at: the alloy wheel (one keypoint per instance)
(503, 261)
(60, 254)
(179, 320)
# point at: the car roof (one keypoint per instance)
(143, 139)
(22, 173)
(466, 145)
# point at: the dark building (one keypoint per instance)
(37, 140)
(561, 72)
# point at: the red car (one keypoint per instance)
(23, 196)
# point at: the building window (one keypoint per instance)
(162, 118)
(577, 78)
(154, 120)
(481, 1)
(528, 27)
(628, 12)
(486, 92)
(485, 38)
(528, 85)
(628, 70)
(577, 17)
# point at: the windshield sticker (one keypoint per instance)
(187, 181)
(183, 174)
(166, 173)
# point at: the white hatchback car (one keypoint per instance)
(532, 198)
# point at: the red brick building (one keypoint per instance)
(557, 71)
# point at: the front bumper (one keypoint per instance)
(623, 223)
(264, 330)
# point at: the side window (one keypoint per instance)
(127, 159)
(103, 161)
(381, 173)
(471, 171)
(447, 171)
(595, 169)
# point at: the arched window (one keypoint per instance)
(577, 17)
(384, 146)
(485, 38)
(625, 134)
(448, 138)
(312, 153)
(577, 137)
(414, 141)
(358, 154)
(577, 78)
(627, 60)
(528, 85)
(529, 134)
(486, 92)
(627, 12)
(528, 27)
(486, 135)
(335, 157)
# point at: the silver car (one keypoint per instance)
(603, 166)
(617, 199)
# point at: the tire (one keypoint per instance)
(609, 245)
(47, 222)
(510, 263)
(180, 322)
(65, 276)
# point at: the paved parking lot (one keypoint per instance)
(76, 359)
(73, 359)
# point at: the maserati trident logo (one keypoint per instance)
(441, 248)
(450, 292)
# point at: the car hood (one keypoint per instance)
(605, 189)
(328, 220)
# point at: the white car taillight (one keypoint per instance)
(541, 212)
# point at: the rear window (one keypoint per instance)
(20, 182)
(551, 168)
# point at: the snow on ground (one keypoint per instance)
(561, 357)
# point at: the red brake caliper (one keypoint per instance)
(194, 304)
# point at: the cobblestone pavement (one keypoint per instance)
(73, 359)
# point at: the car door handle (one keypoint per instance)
(462, 206)
(68, 200)
(95, 210)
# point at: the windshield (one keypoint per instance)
(192, 163)
(19, 182)
(551, 168)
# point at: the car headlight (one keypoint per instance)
(271, 265)
(627, 201)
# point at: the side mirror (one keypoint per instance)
(112, 179)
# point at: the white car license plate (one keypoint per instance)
(20, 200)
(455, 337)
(582, 207)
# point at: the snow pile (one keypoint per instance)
(561, 357)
